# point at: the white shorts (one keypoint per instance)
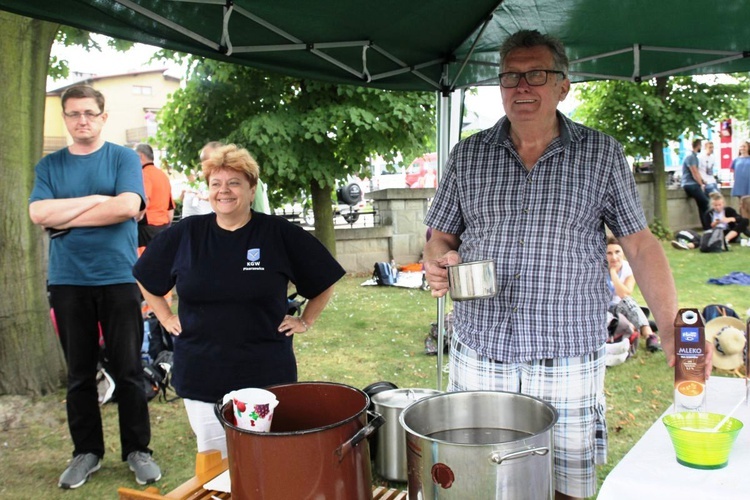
(209, 432)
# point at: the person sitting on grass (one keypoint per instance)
(725, 218)
(745, 213)
(686, 239)
(621, 283)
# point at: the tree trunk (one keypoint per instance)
(321, 198)
(657, 153)
(31, 360)
(660, 184)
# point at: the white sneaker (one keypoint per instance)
(680, 245)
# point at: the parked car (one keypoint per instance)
(422, 172)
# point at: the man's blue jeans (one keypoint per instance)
(701, 200)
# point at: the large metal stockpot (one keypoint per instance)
(480, 444)
(390, 454)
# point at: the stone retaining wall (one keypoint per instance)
(401, 234)
(681, 210)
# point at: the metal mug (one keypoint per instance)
(472, 280)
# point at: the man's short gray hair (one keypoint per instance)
(145, 150)
(532, 38)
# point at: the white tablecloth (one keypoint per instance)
(650, 469)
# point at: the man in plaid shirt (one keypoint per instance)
(534, 193)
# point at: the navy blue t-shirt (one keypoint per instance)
(232, 289)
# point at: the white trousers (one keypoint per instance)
(209, 432)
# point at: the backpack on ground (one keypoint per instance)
(383, 274)
(105, 385)
(157, 376)
(158, 339)
(712, 311)
(431, 340)
(156, 360)
(688, 236)
(712, 240)
(294, 305)
(622, 342)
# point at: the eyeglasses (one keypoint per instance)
(90, 115)
(535, 77)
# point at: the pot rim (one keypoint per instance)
(409, 430)
(415, 390)
(219, 410)
(460, 264)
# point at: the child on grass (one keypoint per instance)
(725, 218)
(621, 283)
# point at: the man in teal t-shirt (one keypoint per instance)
(87, 196)
(692, 182)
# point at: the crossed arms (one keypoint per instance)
(86, 211)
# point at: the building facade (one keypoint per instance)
(133, 101)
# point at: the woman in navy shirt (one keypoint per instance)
(232, 269)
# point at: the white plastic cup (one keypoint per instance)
(252, 408)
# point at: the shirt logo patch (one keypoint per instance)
(253, 255)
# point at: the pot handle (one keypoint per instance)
(218, 406)
(498, 459)
(376, 420)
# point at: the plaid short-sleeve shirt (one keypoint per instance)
(544, 229)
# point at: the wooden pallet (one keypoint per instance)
(383, 493)
(208, 465)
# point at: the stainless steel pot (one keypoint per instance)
(390, 452)
(480, 444)
(472, 280)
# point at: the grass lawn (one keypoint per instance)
(365, 335)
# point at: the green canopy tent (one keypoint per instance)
(440, 45)
(427, 45)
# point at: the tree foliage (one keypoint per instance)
(69, 36)
(639, 114)
(644, 116)
(306, 135)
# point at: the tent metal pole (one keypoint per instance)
(695, 66)
(443, 145)
(170, 24)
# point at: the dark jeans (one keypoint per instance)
(701, 199)
(79, 310)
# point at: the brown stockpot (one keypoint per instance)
(480, 444)
(317, 446)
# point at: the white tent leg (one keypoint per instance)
(450, 113)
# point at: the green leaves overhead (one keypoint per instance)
(639, 114)
(300, 131)
(644, 116)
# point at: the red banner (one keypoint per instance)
(725, 151)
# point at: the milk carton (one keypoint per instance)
(690, 363)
